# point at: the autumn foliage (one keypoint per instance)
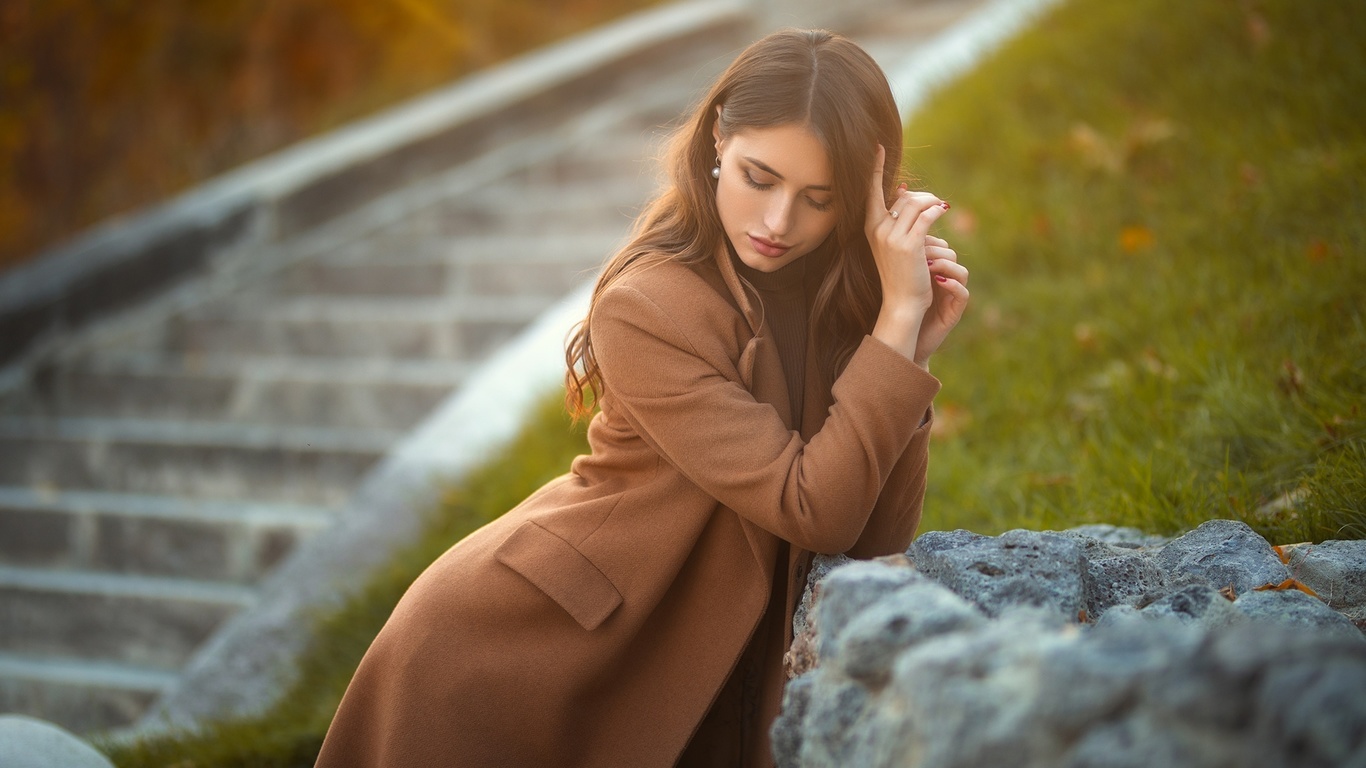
(109, 106)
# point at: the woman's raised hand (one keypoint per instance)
(924, 288)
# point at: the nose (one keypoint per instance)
(778, 217)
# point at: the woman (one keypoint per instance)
(759, 353)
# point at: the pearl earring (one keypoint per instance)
(716, 172)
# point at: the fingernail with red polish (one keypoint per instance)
(941, 278)
(946, 206)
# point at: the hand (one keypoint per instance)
(950, 298)
(920, 304)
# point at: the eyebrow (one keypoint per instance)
(763, 167)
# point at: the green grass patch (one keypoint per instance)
(290, 733)
(1162, 205)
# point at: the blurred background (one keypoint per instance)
(109, 106)
(1161, 204)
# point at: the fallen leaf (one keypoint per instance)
(1258, 30)
(1147, 132)
(1085, 336)
(1042, 226)
(1133, 239)
(1287, 585)
(949, 420)
(1041, 480)
(1283, 506)
(1291, 380)
(1318, 252)
(1095, 150)
(1155, 365)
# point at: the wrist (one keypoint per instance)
(899, 327)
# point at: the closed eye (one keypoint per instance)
(750, 181)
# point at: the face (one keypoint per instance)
(774, 195)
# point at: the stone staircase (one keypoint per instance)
(154, 467)
(153, 470)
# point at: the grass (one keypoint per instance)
(1162, 205)
(289, 734)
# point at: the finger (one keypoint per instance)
(960, 295)
(912, 212)
(933, 252)
(952, 270)
(926, 218)
(951, 296)
(906, 200)
(939, 241)
(877, 204)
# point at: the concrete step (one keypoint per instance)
(431, 264)
(466, 328)
(226, 541)
(78, 694)
(543, 200)
(140, 620)
(360, 393)
(401, 245)
(414, 279)
(552, 276)
(195, 460)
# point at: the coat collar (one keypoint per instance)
(745, 297)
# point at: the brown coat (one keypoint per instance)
(594, 624)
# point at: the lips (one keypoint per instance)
(768, 248)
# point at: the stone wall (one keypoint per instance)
(1097, 646)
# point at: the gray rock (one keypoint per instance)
(1116, 615)
(1293, 607)
(1113, 575)
(1171, 672)
(832, 716)
(1195, 603)
(935, 542)
(1018, 567)
(1080, 689)
(1027, 690)
(1336, 570)
(849, 589)
(27, 742)
(821, 566)
(1223, 553)
(1317, 708)
(866, 649)
(787, 731)
(1118, 536)
(1142, 741)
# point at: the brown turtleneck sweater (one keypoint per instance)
(783, 294)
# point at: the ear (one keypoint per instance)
(716, 130)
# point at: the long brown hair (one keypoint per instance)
(813, 78)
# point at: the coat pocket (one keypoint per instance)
(556, 568)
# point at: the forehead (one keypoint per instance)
(791, 150)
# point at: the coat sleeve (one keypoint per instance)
(681, 393)
(895, 517)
